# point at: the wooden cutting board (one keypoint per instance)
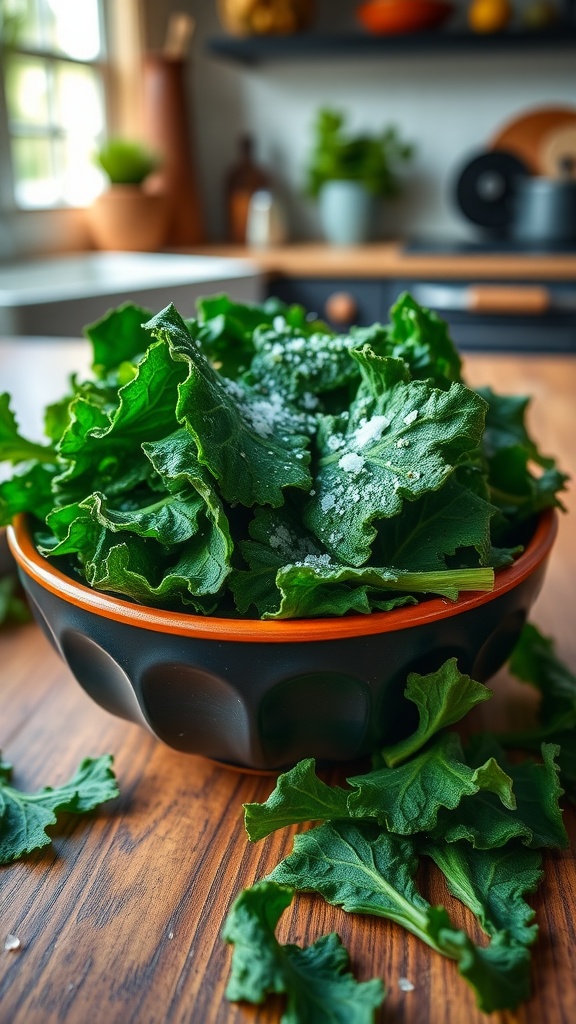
(526, 136)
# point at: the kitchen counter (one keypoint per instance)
(60, 294)
(391, 259)
(120, 919)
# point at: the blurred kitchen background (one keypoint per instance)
(482, 93)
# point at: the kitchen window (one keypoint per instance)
(54, 108)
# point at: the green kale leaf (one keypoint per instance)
(13, 607)
(421, 337)
(299, 796)
(535, 818)
(99, 446)
(405, 799)
(436, 526)
(534, 660)
(28, 490)
(253, 447)
(300, 366)
(408, 798)
(442, 699)
(365, 870)
(118, 337)
(225, 329)
(493, 884)
(24, 817)
(316, 980)
(398, 444)
(13, 447)
(314, 585)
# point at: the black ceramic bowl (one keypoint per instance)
(262, 695)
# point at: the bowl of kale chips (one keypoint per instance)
(245, 530)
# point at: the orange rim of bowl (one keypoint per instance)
(206, 627)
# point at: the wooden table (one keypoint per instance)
(120, 919)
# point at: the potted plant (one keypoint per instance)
(348, 173)
(126, 215)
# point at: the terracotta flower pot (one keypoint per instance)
(125, 217)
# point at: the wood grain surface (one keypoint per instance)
(120, 919)
(390, 259)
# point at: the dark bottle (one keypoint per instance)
(243, 180)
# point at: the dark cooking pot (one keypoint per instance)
(544, 210)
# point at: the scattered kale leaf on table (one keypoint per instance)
(252, 461)
(366, 870)
(13, 606)
(534, 660)
(316, 980)
(482, 818)
(24, 817)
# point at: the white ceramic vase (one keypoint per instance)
(346, 212)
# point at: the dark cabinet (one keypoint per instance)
(340, 302)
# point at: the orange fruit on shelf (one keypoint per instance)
(489, 15)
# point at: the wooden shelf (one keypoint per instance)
(258, 49)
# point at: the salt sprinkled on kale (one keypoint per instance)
(371, 430)
(351, 463)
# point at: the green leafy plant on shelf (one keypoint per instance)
(369, 159)
(348, 173)
(126, 162)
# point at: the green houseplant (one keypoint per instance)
(347, 173)
(126, 162)
(128, 215)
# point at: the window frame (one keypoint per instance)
(101, 64)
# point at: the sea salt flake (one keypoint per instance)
(327, 502)
(371, 430)
(12, 942)
(405, 985)
(351, 463)
(317, 560)
(309, 401)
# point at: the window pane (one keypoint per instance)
(56, 106)
(81, 179)
(27, 91)
(74, 28)
(79, 103)
(33, 173)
